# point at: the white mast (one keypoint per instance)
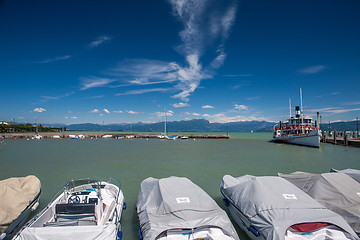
(165, 122)
(290, 107)
(302, 114)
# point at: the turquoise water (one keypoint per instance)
(203, 161)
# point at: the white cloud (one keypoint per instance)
(206, 115)
(142, 91)
(240, 107)
(100, 40)
(74, 117)
(334, 110)
(106, 111)
(55, 59)
(162, 114)
(193, 114)
(118, 111)
(252, 98)
(40, 110)
(94, 111)
(133, 112)
(92, 82)
(312, 69)
(222, 118)
(180, 104)
(208, 106)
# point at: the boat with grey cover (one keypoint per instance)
(176, 208)
(353, 173)
(336, 191)
(272, 208)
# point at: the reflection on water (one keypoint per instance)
(205, 162)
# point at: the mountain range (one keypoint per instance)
(196, 125)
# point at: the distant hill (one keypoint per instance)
(339, 126)
(195, 125)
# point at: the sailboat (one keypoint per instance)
(299, 129)
(164, 135)
(37, 135)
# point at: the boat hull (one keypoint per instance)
(310, 140)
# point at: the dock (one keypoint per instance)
(113, 135)
(341, 138)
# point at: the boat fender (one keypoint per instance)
(119, 235)
(254, 231)
(124, 206)
(34, 207)
(140, 235)
(226, 202)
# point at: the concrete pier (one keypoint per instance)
(114, 135)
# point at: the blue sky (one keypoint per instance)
(126, 61)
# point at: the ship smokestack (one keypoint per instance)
(297, 111)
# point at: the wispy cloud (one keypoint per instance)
(222, 118)
(92, 82)
(106, 111)
(40, 110)
(55, 59)
(240, 107)
(142, 91)
(96, 97)
(94, 111)
(50, 98)
(207, 106)
(180, 105)
(118, 111)
(253, 98)
(334, 110)
(312, 69)
(99, 40)
(239, 75)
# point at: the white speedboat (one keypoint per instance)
(37, 137)
(19, 197)
(299, 130)
(83, 209)
(271, 208)
(175, 208)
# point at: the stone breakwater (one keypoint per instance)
(107, 135)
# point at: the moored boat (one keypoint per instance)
(82, 209)
(272, 208)
(336, 191)
(298, 129)
(175, 208)
(19, 197)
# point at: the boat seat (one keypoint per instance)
(75, 212)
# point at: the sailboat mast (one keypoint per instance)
(165, 122)
(302, 113)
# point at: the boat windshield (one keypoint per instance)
(83, 185)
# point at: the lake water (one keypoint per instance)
(203, 161)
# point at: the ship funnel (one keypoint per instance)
(297, 111)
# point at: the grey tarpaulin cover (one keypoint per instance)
(272, 205)
(336, 191)
(15, 195)
(354, 173)
(173, 203)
